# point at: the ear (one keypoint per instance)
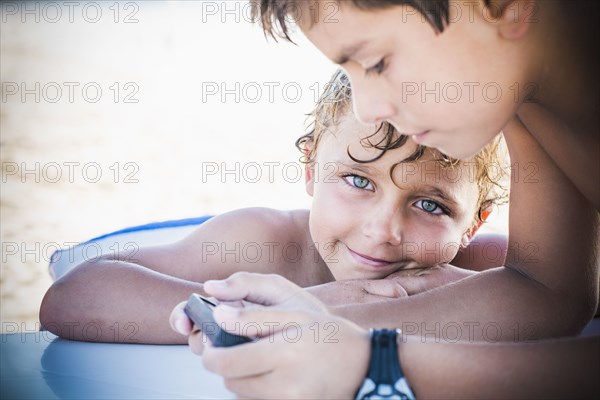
(512, 17)
(309, 177)
(470, 233)
(309, 169)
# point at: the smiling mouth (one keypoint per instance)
(370, 261)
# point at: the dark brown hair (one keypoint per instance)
(273, 15)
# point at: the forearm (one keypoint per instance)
(113, 301)
(566, 368)
(494, 305)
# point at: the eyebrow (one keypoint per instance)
(435, 191)
(360, 167)
(349, 51)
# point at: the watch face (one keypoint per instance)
(371, 391)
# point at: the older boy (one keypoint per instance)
(453, 74)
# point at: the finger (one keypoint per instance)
(179, 321)
(234, 303)
(197, 341)
(244, 360)
(257, 288)
(261, 321)
(422, 279)
(413, 284)
(386, 288)
(254, 387)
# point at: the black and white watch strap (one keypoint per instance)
(385, 379)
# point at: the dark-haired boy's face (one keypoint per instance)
(453, 91)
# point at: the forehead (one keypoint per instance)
(339, 29)
(350, 135)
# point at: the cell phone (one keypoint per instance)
(200, 310)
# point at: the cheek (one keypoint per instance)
(469, 115)
(329, 214)
(436, 244)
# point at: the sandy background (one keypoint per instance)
(160, 123)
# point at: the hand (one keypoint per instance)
(302, 351)
(235, 291)
(357, 291)
(418, 280)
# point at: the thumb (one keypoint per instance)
(256, 288)
(266, 290)
(261, 321)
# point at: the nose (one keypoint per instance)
(369, 102)
(384, 226)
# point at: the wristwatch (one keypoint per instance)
(385, 379)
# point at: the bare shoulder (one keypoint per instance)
(269, 241)
(256, 223)
(250, 231)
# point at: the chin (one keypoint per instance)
(461, 153)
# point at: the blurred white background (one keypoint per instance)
(118, 114)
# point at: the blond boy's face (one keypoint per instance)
(367, 226)
(453, 91)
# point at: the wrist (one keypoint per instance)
(360, 354)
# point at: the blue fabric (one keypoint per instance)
(156, 225)
(154, 233)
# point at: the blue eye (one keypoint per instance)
(359, 182)
(430, 206)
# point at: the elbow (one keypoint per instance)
(574, 311)
(61, 309)
(57, 311)
(50, 315)
(581, 310)
(580, 302)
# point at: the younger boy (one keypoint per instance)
(378, 207)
